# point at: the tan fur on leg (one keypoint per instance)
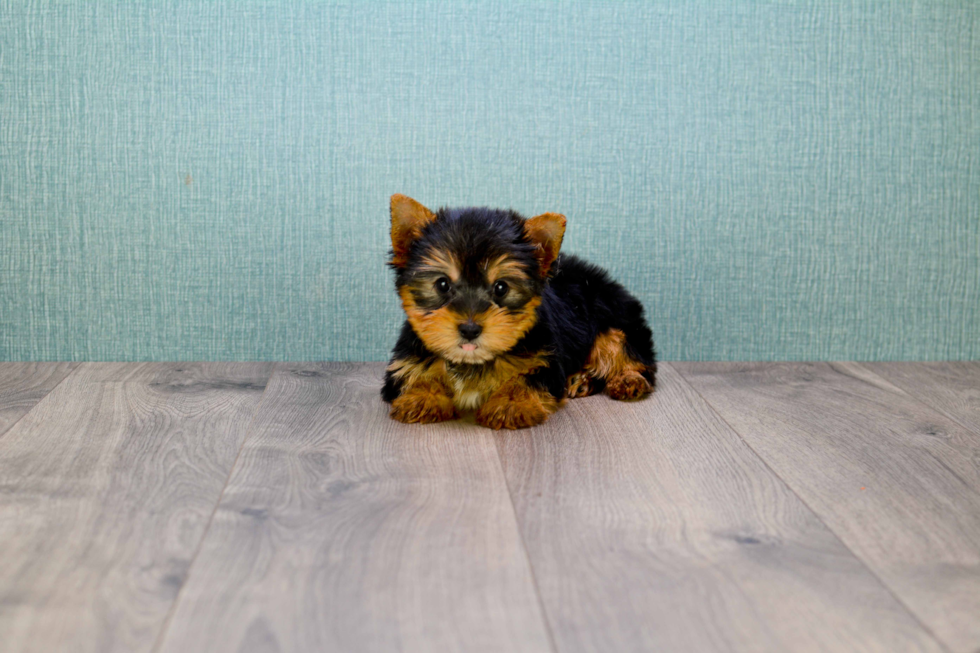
(628, 385)
(424, 403)
(579, 385)
(425, 397)
(608, 360)
(515, 405)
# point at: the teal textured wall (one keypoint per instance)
(198, 180)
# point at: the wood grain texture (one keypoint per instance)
(107, 487)
(22, 385)
(952, 388)
(651, 526)
(343, 530)
(896, 480)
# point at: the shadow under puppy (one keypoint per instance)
(501, 323)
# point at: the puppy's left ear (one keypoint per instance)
(545, 232)
(408, 219)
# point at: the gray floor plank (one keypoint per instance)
(952, 388)
(107, 486)
(342, 530)
(22, 385)
(652, 526)
(896, 480)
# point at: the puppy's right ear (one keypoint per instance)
(545, 232)
(408, 219)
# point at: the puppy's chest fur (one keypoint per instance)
(473, 384)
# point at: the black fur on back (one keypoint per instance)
(580, 302)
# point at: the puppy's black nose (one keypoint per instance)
(470, 330)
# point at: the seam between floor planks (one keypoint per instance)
(105, 576)
(512, 492)
(207, 529)
(891, 386)
(342, 529)
(915, 527)
(549, 629)
(673, 523)
(817, 514)
(72, 366)
(930, 402)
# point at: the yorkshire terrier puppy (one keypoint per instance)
(499, 322)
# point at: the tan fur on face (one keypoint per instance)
(502, 329)
(504, 266)
(439, 329)
(441, 262)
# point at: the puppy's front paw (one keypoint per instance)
(579, 384)
(628, 385)
(423, 407)
(516, 407)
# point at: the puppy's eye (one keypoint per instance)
(500, 289)
(442, 285)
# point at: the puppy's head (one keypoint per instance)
(470, 280)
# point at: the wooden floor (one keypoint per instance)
(218, 507)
